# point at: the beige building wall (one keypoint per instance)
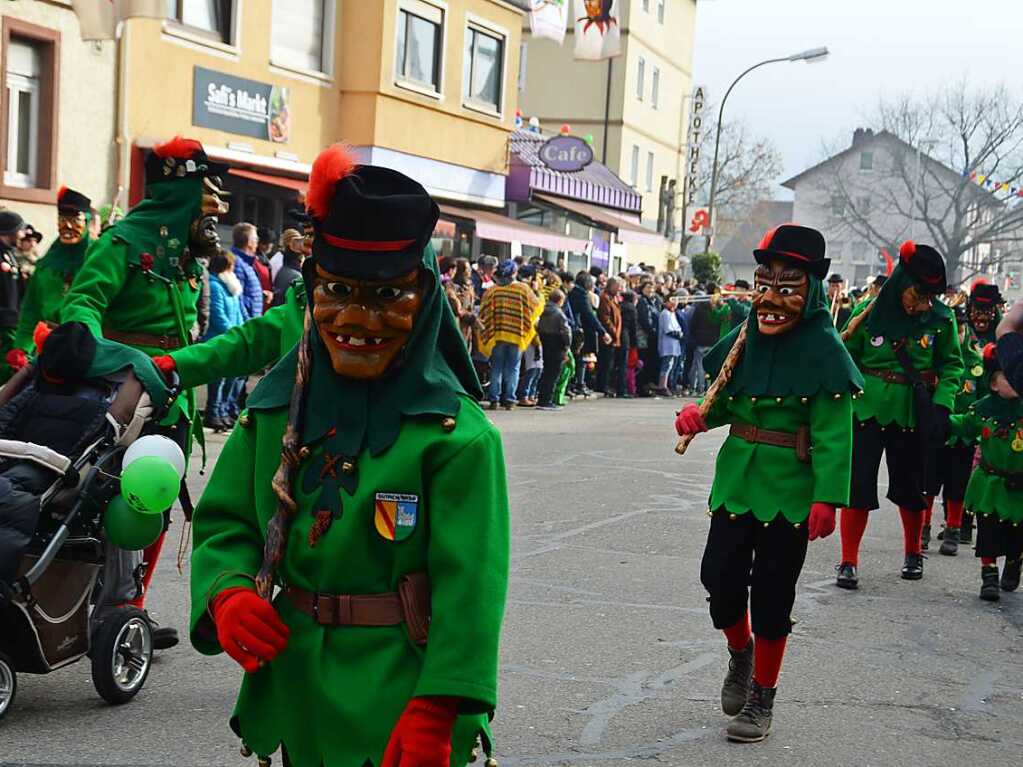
(87, 105)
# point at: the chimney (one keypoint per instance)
(861, 135)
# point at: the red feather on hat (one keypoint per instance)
(333, 164)
(990, 350)
(979, 281)
(61, 192)
(907, 251)
(178, 147)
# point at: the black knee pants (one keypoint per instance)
(998, 537)
(906, 458)
(948, 468)
(748, 562)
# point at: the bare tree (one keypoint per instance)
(747, 168)
(926, 154)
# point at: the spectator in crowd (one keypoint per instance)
(630, 334)
(225, 313)
(634, 275)
(28, 251)
(669, 344)
(646, 337)
(739, 304)
(462, 297)
(610, 315)
(586, 318)
(291, 264)
(677, 382)
(483, 277)
(267, 244)
(532, 367)
(599, 278)
(509, 311)
(556, 340)
(245, 241)
(705, 330)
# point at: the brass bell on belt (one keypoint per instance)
(264, 761)
(448, 424)
(245, 751)
(491, 762)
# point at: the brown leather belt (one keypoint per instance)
(166, 343)
(988, 468)
(348, 609)
(929, 377)
(798, 441)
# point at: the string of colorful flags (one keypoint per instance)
(995, 186)
(597, 35)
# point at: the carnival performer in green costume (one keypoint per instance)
(995, 491)
(949, 465)
(783, 468)
(984, 308)
(140, 282)
(365, 523)
(44, 293)
(907, 346)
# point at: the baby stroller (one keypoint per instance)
(62, 438)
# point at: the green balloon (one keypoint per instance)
(150, 484)
(127, 528)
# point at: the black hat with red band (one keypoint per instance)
(70, 201)
(800, 246)
(925, 266)
(371, 223)
(985, 295)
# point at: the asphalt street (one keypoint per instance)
(608, 656)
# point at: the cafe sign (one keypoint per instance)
(566, 153)
(237, 105)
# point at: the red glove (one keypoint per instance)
(17, 359)
(248, 628)
(422, 736)
(165, 363)
(690, 421)
(822, 520)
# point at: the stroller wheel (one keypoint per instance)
(121, 655)
(8, 684)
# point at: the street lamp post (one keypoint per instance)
(810, 56)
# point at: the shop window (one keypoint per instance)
(634, 166)
(302, 34)
(28, 156)
(640, 77)
(210, 18)
(483, 67)
(655, 87)
(418, 45)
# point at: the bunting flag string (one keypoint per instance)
(993, 184)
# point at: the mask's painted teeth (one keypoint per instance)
(359, 341)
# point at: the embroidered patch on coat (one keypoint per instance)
(395, 515)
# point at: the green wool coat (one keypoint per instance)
(247, 348)
(768, 480)
(987, 493)
(334, 694)
(937, 349)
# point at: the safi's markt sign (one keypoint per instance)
(566, 153)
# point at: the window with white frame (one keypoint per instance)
(640, 77)
(660, 11)
(650, 171)
(301, 34)
(482, 68)
(418, 44)
(22, 79)
(210, 18)
(655, 86)
(634, 166)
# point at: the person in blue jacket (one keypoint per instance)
(225, 313)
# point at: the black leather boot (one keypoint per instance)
(735, 690)
(989, 583)
(847, 577)
(753, 723)
(966, 529)
(1010, 573)
(913, 567)
(925, 537)
(950, 543)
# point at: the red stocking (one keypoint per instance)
(929, 509)
(988, 561)
(853, 524)
(767, 657)
(954, 514)
(149, 556)
(738, 636)
(912, 523)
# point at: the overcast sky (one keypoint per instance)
(877, 47)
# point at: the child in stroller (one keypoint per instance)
(64, 426)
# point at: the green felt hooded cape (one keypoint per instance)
(112, 357)
(429, 377)
(889, 319)
(801, 362)
(1004, 412)
(65, 259)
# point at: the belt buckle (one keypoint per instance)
(322, 604)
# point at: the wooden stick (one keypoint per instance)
(280, 524)
(724, 376)
(855, 322)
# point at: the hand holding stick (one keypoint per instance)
(724, 376)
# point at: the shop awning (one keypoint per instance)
(267, 178)
(494, 226)
(628, 231)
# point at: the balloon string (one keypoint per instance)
(186, 536)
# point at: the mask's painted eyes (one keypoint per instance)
(339, 289)
(762, 288)
(388, 292)
(785, 291)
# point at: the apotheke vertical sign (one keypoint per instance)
(695, 137)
